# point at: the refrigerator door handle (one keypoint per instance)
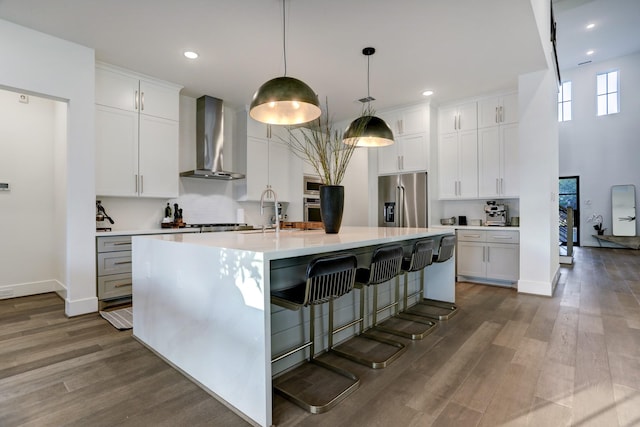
(402, 195)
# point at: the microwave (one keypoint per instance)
(311, 185)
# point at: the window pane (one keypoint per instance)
(602, 84)
(612, 103)
(612, 83)
(567, 111)
(602, 105)
(566, 93)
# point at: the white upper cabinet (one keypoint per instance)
(498, 161)
(458, 118)
(409, 152)
(498, 110)
(458, 165)
(264, 157)
(137, 133)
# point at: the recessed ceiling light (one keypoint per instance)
(191, 55)
(427, 93)
(590, 26)
(589, 52)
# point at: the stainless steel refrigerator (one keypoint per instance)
(402, 200)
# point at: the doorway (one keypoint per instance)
(569, 196)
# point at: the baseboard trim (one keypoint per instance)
(32, 288)
(536, 288)
(80, 306)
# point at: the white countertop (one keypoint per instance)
(292, 243)
(474, 227)
(149, 231)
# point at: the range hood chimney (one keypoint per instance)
(210, 141)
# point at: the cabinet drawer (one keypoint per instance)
(471, 235)
(114, 263)
(503, 236)
(113, 243)
(114, 286)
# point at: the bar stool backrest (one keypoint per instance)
(385, 263)
(330, 277)
(447, 246)
(422, 255)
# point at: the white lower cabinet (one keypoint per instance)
(488, 255)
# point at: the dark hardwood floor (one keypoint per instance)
(505, 359)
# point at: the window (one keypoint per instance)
(564, 102)
(607, 92)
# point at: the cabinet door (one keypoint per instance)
(470, 258)
(158, 157)
(159, 101)
(414, 153)
(412, 120)
(447, 120)
(117, 90)
(503, 261)
(448, 166)
(468, 164)
(467, 116)
(279, 170)
(489, 111)
(116, 152)
(510, 109)
(489, 162)
(388, 160)
(257, 167)
(510, 161)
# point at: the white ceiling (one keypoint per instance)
(457, 48)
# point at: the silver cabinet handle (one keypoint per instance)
(455, 122)
(120, 243)
(501, 115)
(501, 185)
(497, 186)
(488, 254)
(497, 119)
(135, 177)
(398, 162)
(502, 237)
(120, 285)
(122, 262)
(484, 248)
(473, 236)
(141, 184)
(142, 101)
(136, 101)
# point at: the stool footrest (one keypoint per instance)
(366, 359)
(433, 309)
(314, 399)
(427, 327)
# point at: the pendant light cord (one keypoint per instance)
(284, 38)
(368, 73)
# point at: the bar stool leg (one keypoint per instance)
(428, 308)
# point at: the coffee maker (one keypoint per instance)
(101, 215)
(496, 215)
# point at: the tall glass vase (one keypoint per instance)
(331, 207)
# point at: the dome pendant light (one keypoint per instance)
(284, 100)
(368, 130)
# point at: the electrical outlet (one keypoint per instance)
(24, 99)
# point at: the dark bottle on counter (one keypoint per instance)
(167, 211)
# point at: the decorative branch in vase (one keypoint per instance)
(597, 220)
(320, 145)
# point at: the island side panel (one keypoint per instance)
(203, 310)
(440, 280)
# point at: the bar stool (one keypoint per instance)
(385, 265)
(421, 257)
(430, 308)
(327, 278)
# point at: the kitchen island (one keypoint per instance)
(202, 301)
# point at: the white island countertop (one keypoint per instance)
(202, 301)
(293, 243)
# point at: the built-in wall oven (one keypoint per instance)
(311, 209)
(311, 186)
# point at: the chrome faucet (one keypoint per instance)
(269, 192)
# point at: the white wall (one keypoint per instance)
(37, 63)
(28, 223)
(602, 151)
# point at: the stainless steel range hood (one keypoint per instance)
(210, 141)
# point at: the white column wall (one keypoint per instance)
(37, 63)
